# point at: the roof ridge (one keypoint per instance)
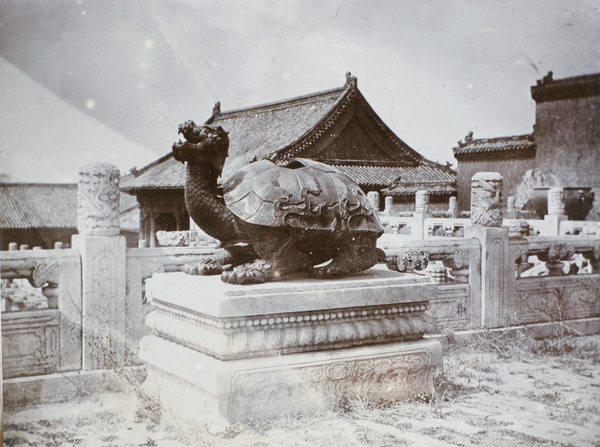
(365, 163)
(282, 103)
(526, 136)
(41, 184)
(576, 78)
(137, 172)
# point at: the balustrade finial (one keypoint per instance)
(98, 200)
(486, 199)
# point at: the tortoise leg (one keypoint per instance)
(358, 253)
(223, 259)
(278, 258)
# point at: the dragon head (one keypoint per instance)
(205, 144)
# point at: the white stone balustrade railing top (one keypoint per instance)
(562, 255)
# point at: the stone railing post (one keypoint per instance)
(453, 207)
(389, 204)
(511, 212)
(373, 196)
(496, 265)
(556, 212)
(103, 263)
(421, 213)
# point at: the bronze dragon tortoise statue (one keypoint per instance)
(274, 222)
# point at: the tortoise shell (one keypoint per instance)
(303, 194)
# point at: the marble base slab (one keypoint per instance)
(221, 353)
(195, 388)
(231, 322)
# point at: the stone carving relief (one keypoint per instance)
(408, 260)
(98, 200)
(557, 300)
(31, 345)
(273, 335)
(44, 273)
(422, 201)
(378, 379)
(486, 199)
(556, 201)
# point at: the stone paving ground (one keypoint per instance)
(493, 390)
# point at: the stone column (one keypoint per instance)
(103, 264)
(511, 212)
(373, 196)
(496, 265)
(453, 207)
(389, 203)
(152, 230)
(422, 201)
(556, 212)
(421, 213)
(556, 202)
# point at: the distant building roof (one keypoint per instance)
(44, 205)
(279, 131)
(254, 133)
(518, 146)
(382, 174)
(549, 89)
(164, 173)
(435, 189)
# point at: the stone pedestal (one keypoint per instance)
(224, 353)
(103, 262)
(556, 212)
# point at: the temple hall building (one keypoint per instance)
(337, 127)
(43, 214)
(563, 149)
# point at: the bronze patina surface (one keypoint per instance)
(274, 221)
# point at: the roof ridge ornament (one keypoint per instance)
(468, 138)
(215, 112)
(546, 79)
(351, 81)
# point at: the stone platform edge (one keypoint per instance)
(189, 382)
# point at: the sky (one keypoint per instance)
(432, 70)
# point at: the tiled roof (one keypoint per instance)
(548, 89)
(164, 173)
(433, 188)
(44, 205)
(516, 144)
(373, 175)
(281, 131)
(254, 133)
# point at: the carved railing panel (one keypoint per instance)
(454, 265)
(557, 278)
(43, 335)
(559, 256)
